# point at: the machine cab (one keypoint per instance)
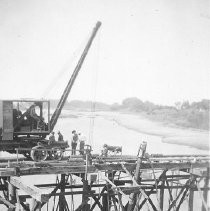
(24, 117)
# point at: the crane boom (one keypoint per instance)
(67, 90)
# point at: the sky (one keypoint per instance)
(155, 50)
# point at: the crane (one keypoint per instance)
(22, 127)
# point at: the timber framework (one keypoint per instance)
(112, 182)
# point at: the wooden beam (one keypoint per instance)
(173, 203)
(67, 186)
(182, 199)
(64, 168)
(23, 197)
(7, 203)
(170, 193)
(152, 189)
(116, 188)
(166, 166)
(7, 172)
(100, 194)
(56, 170)
(26, 208)
(36, 193)
(134, 181)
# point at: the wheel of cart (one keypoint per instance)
(39, 153)
(56, 153)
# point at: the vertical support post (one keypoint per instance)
(62, 200)
(190, 202)
(86, 187)
(191, 194)
(11, 191)
(110, 191)
(205, 192)
(39, 206)
(132, 201)
(162, 195)
(105, 202)
(85, 198)
(106, 197)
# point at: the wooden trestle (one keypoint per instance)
(124, 183)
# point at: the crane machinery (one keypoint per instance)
(25, 124)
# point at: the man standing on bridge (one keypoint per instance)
(60, 136)
(51, 138)
(74, 142)
(82, 140)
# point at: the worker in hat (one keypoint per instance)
(51, 138)
(82, 140)
(60, 136)
(74, 141)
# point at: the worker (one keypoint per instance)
(34, 115)
(105, 150)
(74, 141)
(51, 138)
(60, 136)
(16, 116)
(82, 140)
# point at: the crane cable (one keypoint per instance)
(94, 88)
(57, 78)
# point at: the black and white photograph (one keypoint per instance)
(104, 105)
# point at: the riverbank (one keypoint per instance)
(170, 134)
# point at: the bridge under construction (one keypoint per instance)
(111, 182)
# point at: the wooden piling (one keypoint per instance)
(85, 198)
(205, 192)
(137, 178)
(162, 195)
(62, 200)
(11, 194)
(191, 199)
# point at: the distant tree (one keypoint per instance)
(202, 105)
(115, 106)
(185, 105)
(149, 106)
(178, 105)
(205, 104)
(133, 104)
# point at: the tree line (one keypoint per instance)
(186, 114)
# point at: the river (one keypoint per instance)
(107, 130)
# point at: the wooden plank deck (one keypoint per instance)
(61, 167)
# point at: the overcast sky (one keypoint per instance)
(151, 49)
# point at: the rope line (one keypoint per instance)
(57, 78)
(94, 88)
